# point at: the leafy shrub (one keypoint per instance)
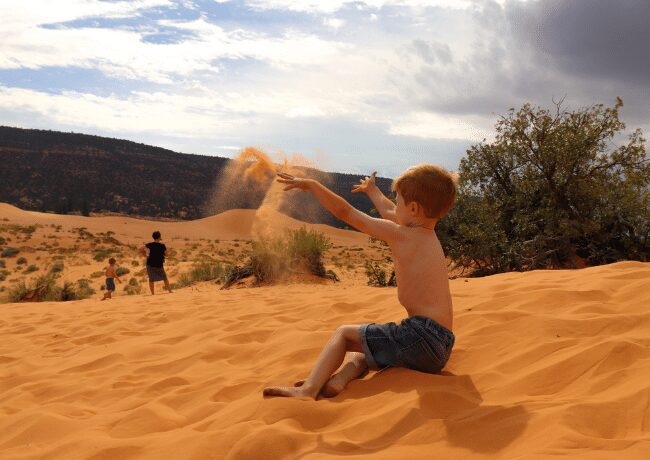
(3, 264)
(31, 268)
(9, 252)
(97, 274)
(4, 274)
(2, 241)
(21, 261)
(551, 191)
(119, 271)
(135, 263)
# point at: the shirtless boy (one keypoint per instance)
(111, 277)
(423, 341)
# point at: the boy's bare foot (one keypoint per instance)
(291, 392)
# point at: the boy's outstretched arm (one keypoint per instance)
(382, 204)
(377, 228)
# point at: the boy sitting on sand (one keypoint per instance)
(111, 276)
(424, 340)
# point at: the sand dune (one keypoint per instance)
(229, 225)
(546, 363)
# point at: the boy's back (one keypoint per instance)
(421, 270)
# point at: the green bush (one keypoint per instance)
(135, 263)
(554, 189)
(21, 261)
(3, 264)
(9, 252)
(2, 241)
(31, 268)
(122, 271)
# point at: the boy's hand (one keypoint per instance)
(366, 185)
(293, 182)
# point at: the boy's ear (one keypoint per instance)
(413, 207)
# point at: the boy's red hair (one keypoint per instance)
(431, 186)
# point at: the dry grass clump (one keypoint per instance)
(272, 259)
(44, 288)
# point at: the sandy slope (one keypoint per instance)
(233, 224)
(546, 363)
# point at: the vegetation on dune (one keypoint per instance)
(9, 252)
(44, 288)
(552, 190)
(272, 259)
(378, 276)
(202, 271)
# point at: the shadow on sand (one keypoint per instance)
(451, 399)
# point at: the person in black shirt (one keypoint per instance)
(155, 253)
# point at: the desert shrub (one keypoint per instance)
(21, 261)
(97, 274)
(84, 290)
(4, 274)
(18, 292)
(378, 276)
(3, 264)
(2, 241)
(205, 271)
(270, 259)
(42, 288)
(32, 268)
(57, 267)
(133, 287)
(103, 254)
(119, 271)
(135, 263)
(553, 189)
(9, 252)
(67, 292)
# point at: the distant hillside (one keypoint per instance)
(52, 171)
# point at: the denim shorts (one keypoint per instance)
(110, 284)
(417, 343)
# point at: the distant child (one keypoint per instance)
(111, 276)
(423, 341)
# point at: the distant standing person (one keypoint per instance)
(155, 253)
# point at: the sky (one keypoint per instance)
(353, 86)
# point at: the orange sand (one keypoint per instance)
(546, 363)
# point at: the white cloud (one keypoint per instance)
(331, 6)
(429, 125)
